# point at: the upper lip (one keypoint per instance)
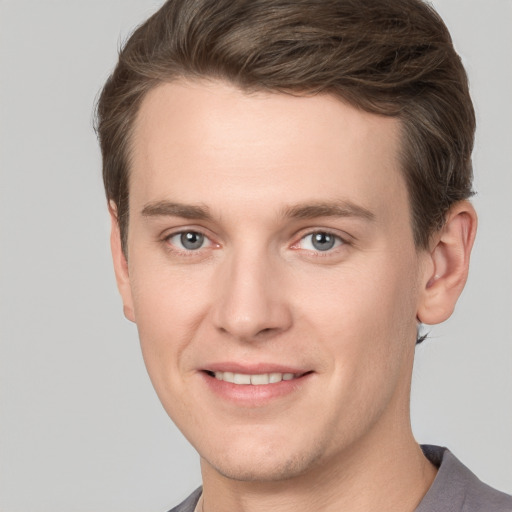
(253, 368)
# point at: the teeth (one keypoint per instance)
(275, 377)
(259, 379)
(240, 378)
(227, 376)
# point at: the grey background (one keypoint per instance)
(80, 426)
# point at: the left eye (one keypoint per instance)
(320, 241)
(189, 240)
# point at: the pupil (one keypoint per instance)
(323, 241)
(192, 240)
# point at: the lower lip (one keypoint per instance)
(250, 395)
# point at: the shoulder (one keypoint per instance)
(190, 503)
(457, 489)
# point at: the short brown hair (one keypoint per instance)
(389, 57)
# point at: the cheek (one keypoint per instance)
(169, 305)
(166, 296)
(366, 316)
(371, 296)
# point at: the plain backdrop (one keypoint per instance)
(80, 426)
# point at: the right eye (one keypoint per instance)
(188, 241)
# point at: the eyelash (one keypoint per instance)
(339, 241)
(183, 251)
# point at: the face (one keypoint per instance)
(272, 275)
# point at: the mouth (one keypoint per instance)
(254, 379)
(254, 385)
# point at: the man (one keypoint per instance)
(288, 186)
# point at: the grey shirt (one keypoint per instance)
(455, 489)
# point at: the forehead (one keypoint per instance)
(209, 141)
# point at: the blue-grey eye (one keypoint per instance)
(191, 240)
(188, 240)
(323, 241)
(320, 241)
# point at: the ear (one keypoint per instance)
(120, 264)
(448, 264)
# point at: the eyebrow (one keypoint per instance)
(170, 209)
(329, 209)
(299, 211)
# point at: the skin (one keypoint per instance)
(250, 172)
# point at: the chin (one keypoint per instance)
(262, 464)
(250, 471)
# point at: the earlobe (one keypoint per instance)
(448, 265)
(120, 265)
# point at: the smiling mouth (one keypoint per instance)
(257, 379)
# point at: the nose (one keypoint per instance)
(252, 303)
